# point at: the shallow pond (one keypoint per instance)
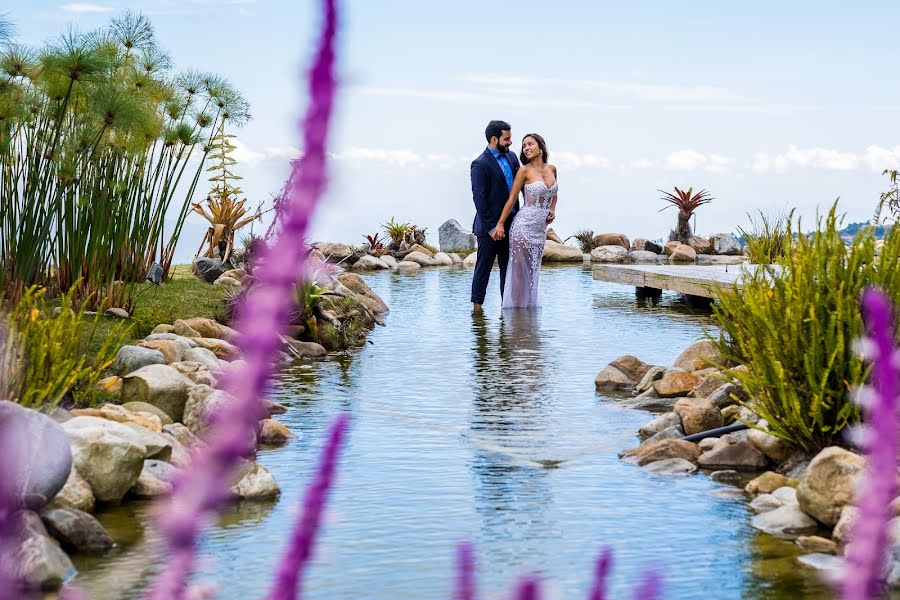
(486, 429)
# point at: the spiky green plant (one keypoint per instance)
(794, 325)
(585, 239)
(395, 230)
(43, 353)
(96, 138)
(768, 239)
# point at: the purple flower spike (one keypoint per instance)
(650, 587)
(289, 578)
(528, 589)
(261, 318)
(866, 553)
(601, 574)
(465, 572)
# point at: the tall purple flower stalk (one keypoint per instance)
(866, 553)
(465, 572)
(601, 574)
(289, 577)
(261, 319)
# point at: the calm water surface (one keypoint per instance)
(486, 429)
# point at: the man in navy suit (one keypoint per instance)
(492, 173)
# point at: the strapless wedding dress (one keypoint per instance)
(526, 247)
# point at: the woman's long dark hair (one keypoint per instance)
(541, 144)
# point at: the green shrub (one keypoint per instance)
(794, 326)
(44, 355)
(768, 239)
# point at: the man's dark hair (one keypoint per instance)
(496, 129)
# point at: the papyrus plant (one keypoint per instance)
(100, 141)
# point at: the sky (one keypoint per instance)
(769, 105)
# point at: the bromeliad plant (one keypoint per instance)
(686, 203)
(98, 138)
(226, 212)
(396, 231)
(376, 247)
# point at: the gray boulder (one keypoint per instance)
(77, 531)
(642, 256)
(554, 252)
(255, 483)
(646, 246)
(370, 263)
(658, 424)
(204, 356)
(442, 259)
(42, 458)
(108, 455)
(132, 358)
(452, 236)
(725, 243)
(736, 452)
(207, 269)
(160, 385)
(786, 521)
(75, 494)
(609, 254)
(39, 562)
(830, 483)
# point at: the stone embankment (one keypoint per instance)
(163, 398)
(795, 496)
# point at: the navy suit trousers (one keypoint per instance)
(488, 251)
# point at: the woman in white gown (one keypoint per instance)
(528, 231)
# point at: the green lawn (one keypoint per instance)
(181, 298)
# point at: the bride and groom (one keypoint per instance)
(506, 232)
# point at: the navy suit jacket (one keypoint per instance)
(489, 192)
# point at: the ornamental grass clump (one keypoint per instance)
(44, 356)
(768, 238)
(794, 325)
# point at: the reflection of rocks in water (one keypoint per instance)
(126, 571)
(246, 513)
(774, 573)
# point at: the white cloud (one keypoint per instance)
(814, 158)
(644, 92)
(571, 160)
(513, 100)
(641, 163)
(80, 8)
(879, 158)
(691, 160)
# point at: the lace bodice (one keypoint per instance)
(538, 194)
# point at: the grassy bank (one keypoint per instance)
(183, 297)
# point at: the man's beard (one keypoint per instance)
(502, 149)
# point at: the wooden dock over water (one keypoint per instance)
(707, 281)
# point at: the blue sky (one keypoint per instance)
(769, 105)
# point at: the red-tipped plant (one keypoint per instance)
(376, 247)
(686, 202)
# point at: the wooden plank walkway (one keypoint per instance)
(696, 280)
